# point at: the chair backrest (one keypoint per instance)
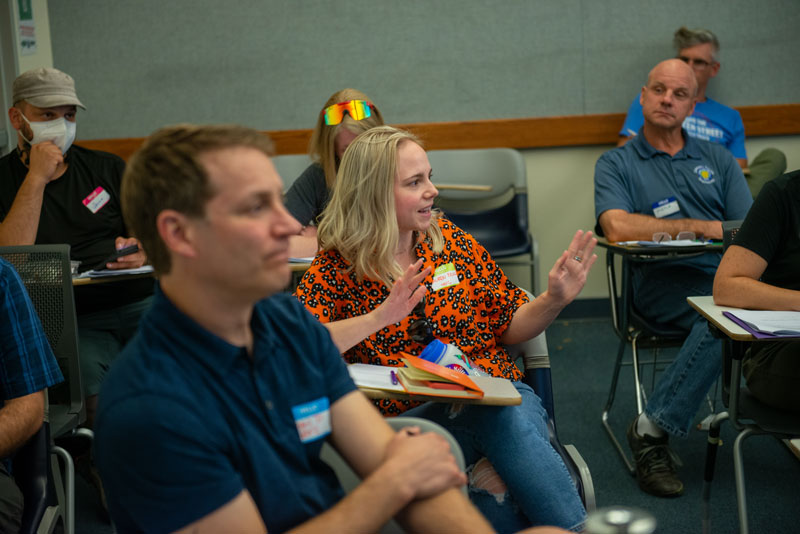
(729, 229)
(290, 167)
(45, 271)
(484, 191)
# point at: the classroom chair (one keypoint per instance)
(45, 272)
(34, 477)
(748, 415)
(485, 192)
(535, 358)
(640, 333)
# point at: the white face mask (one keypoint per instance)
(60, 131)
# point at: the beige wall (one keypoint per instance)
(561, 200)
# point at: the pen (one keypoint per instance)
(394, 377)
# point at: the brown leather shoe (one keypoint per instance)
(655, 464)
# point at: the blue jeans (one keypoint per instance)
(660, 295)
(516, 442)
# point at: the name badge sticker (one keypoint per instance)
(312, 419)
(445, 276)
(96, 199)
(665, 207)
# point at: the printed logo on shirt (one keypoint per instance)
(705, 174)
(701, 129)
(96, 199)
(445, 276)
(312, 419)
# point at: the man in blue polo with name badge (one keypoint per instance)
(665, 182)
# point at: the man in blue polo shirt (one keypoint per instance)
(667, 181)
(711, 120)
(213, 417)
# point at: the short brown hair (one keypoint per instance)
(166, 173)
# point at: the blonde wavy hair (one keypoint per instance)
(322, 147)
(360, 221)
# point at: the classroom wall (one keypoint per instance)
(270, 64)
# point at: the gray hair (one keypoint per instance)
(686, 38)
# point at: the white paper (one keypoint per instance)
(771, 322)
(102, 273)
(373, 376)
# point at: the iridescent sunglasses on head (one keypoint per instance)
(357, 109)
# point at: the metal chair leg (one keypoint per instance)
(708, 472)
(738, 470)
(636, 380)
(69, 489)
(609, 403)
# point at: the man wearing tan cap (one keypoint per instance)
(54, 192)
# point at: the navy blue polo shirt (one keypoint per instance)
(702, 177)
(187, 421)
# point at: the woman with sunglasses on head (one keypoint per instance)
(346, 114)
(380, 242)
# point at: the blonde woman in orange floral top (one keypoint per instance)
(381, 240)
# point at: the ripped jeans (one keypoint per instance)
(515, 440)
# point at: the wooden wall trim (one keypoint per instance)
(542, 132)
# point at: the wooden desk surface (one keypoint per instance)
(496, 392)
(713, 314)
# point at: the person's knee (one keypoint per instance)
(482, 476)
(770, 156)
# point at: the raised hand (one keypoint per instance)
(406, 292)
(568, 275)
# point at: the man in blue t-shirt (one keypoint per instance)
(665, 181)
(711, 120)
(213, 417)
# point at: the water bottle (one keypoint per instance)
(620, 520)
(451, 357)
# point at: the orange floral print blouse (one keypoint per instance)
(471, 315)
